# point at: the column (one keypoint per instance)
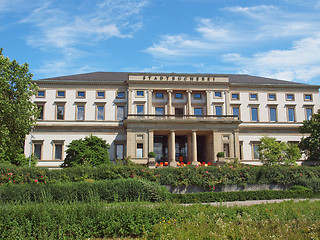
(208, 147)
(150, 101)
(236, 144)
(189, 102)
(169, 102)
(194, 148)
(215, 142)
(208, 112)
(172, 149)
(150, 140)
(129, 101)
(189, 148)
(227, 103)
(232, 147)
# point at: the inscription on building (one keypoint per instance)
(177, 78)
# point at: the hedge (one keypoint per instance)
(121, 190)
(206, 177)
(96, 221)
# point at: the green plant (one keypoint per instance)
(151, 154)
(91, 151)
(220, 155)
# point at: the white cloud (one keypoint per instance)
(300, 62)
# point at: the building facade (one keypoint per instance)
(181, 117)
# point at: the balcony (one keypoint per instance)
(208, 118)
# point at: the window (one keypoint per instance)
(272, 97)
(235, 96)
(254, 114)
(217, 94)
(61, 94)
(159, 110)
(100, 94)
(119, 151)
(255, 148)
(58, 150)
(291, 115)
(198, 111)
(236, 111)
(41, 93)
(178, 112)
(140, 109)
(290, 97)
(218, 110)
(120, 94)
(197, 95)
(253, 96)
(140, 93)
(80, 113)
(272, 114)
(308, 97)
(60, 112)
(120, 113)
(139, 150)
(100, 112)
(41, 111)
(37, 150)
(226, 150)
(309, 112)
(178, 95)
(159, 95)
(81, 94)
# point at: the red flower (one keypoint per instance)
(36, 180)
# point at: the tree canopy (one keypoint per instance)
(311, 144)
(91, 150)
(17, 112)
(273, 152)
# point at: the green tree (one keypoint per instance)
(91, 151)
(17, 112)
(311, 144)
(275, 153)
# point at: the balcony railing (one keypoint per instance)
(182, 117)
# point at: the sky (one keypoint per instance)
(273, 38)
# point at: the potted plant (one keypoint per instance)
(151, 160)
(220, 155)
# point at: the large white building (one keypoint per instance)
(181, 117)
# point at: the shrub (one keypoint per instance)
(91, 151)
(151, 154)
(119, 190)
(220, 154)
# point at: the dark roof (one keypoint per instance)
(95, 76)
(124, 76)
(248, 79)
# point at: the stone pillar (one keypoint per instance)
(150, 140)
(169, 102)
(189, 148)
(194, 148)
(231, 144)
(150, 101)
(189, 102)
(215, 149)
(208, 112)
(227, 103)
(236, 144)
(129, 101)
(172, 149)
(131, 148)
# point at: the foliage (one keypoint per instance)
(272, 152)
(209, 178)
(220, 154)
(287, 220)
(311, 144)
(17, 112)
(151, 154)
(120, 190)
(91, 151)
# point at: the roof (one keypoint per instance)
(124, 76)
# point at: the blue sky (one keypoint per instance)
(278, 39)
